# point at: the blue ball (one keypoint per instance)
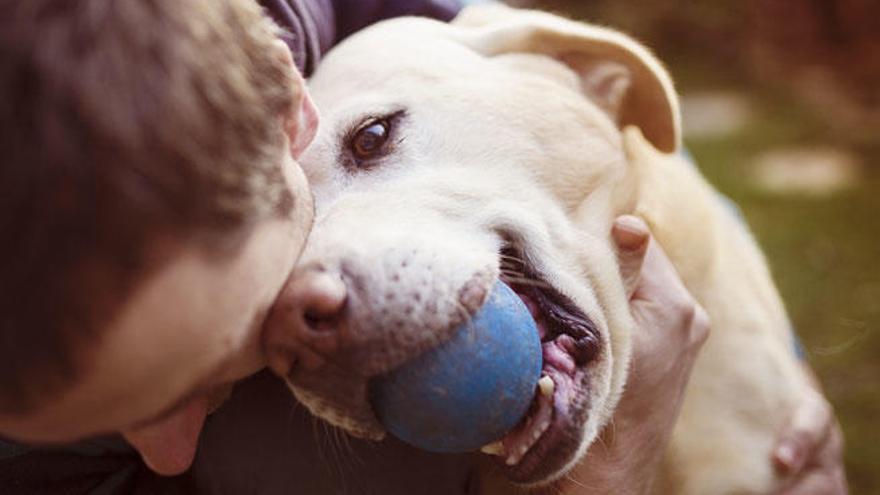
(471, 390)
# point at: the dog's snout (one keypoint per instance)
(304, 324)
(353, 311)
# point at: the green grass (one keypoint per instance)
(825, 256)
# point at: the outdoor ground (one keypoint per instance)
(823, 245)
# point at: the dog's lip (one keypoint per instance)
(559, 443)
(556, 315)
(570, 342)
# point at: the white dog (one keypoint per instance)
(503, 145)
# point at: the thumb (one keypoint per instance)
(631, 236)
(806, 431)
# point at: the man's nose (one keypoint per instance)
(305, 323)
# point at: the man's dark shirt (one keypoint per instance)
(261, 441)
(313, 26)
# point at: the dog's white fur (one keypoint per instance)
(526, 123)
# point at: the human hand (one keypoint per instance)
(671, 327)
(809, 449)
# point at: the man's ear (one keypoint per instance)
(282, 53)
(301, 121)
(617, 73)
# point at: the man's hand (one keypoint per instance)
(671, 327)
(670, 330)
(809, 450)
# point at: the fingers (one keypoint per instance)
(699, 329)
(819, 483)
(632, 237)
(824, 475)
(805, 433)
(657, 294)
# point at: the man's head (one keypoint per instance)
(149, 203)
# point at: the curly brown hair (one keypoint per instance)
(121, 122)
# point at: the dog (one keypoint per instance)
(452, 155)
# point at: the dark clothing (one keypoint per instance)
(353, 15)
(313, 26)
(310, 28)
(261, 441)
(279, 448)
(102, 466)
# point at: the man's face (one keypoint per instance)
(185, 335)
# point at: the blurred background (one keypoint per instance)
(781, 102)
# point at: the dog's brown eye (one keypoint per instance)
(369, 141)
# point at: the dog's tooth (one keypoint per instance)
(537, 434)
(547, 386)
(517, 455)
(543, 427)
(494, 448)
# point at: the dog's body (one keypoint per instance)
(507, 132)
(747, 378)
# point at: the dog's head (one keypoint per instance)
(450, 156)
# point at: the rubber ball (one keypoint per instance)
(472, 389)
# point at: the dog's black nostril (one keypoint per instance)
(312, 320)
(321, 297)
(320, 323)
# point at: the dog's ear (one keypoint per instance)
(620, 75)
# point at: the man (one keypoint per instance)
(152, 210)
(152, 207)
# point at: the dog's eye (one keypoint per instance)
(370, 139)
(375, 138)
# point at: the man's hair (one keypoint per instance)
(122, 122)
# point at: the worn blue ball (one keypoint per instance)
(471, 390)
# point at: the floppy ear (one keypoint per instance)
(620, 75)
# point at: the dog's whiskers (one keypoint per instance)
(512, 274)
(527, 281)
(463, 312)
(511, 262)
(509, 257)
(320, 445)
(506, 277)
(574, 480)
(332, 444)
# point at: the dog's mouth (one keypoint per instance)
(549, 437)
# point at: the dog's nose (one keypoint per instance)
(321, 296)
(304, 323)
